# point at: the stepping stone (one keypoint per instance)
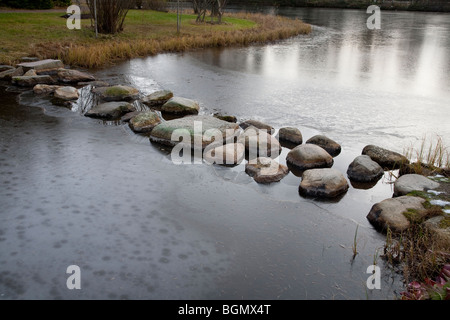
(179, 105)
(73, 76)
(230, 154)
(266, 170)
(413, 182)
(127, 117)
(32, 81)
(323, 183)
(42, 65)
(329, 145)
(158, 98)
(291, 135)
(45, 88)
(7, 74)
(390, 213)
(226, 117)
(4, 67)
(117, 93)
(387, 159)
(30, 73)
(19, 72)
(258, 143)
(144, 121)
(201, 131)
(110, 110)
(66, 93)
(257, 124)
(309, 156)
(364, 169)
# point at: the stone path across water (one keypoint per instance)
(314, 157)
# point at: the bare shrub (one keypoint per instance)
(110, 14)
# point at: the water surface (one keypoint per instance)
(75, 190)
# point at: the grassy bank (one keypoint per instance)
(146, 32)
(420, 252)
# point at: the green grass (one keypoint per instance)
(145, 32)
(445, 222)
(422, 194)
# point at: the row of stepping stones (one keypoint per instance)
(314, 158)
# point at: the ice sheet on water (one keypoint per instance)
(435, 192)
(440, 203)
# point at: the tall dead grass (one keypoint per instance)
(430, 156)
(418, 252)
(107, 51)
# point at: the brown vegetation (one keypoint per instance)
(98, 54)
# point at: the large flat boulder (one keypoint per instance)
(4, 67)
(390, 213)
(179, 105)
(144, 121)
(364, 169)
(31, 81)
(42, 66)
(202, 129)
(110, 110)
(266, 170)
(323, 183)
(387, 159)
(413, 182)
(309, 156)
(73, 76)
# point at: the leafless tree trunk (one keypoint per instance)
(110, 14)
(195, 6)
(220, 9)
(216, 7)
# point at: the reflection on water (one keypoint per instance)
(359, 86)
(343, 52)
(409, 54)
